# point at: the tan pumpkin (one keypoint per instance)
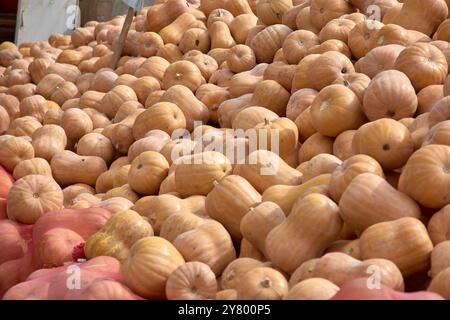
(35, 166)
(404, 241)
(241, 25)
(182, 72)
(280, 72)
(212, 96)
(340, 268)
(319, 165)
(252, 116)
(439, 259)
(23, 126)
(48, 140)
(303, 20)
(331, 45)
(112, 101)
(220, 36)
(343, 175)
(227, 294)
(165, 116)
(11, 105)
(338, 105)
(338, 29)
(270, 88)
(428, 96)
(154, 66)
(241, 58)
(173, 32)
(323, 12)
(439, 112)
(299, 102)
(71, 192)
(342, 146)
(34, 106)
(230, 278)
(415, 60)
(271, 12)
(263, 168)
(312, 289)
(76, 123)
(229, 201)
(144, 262)
(179, 223)
(192, 108)
(439, 284)
(360, 212)
(439, 134)
(32, 197)
(438, 226)
(429, 13)
(209, 243)
(123, 191)
(195, 175)
(144, 86)
(247, 250)
(195, 39)
(360, 37)
(304, 244)
(314, 145)
(4, 120)
(259, 221)
(147, 172)
(266, 42)
(96, 144)
(379, 59)
(262, 283)
(13, 150)
(69, 168)
(397, 101)
(357, 82)
(219, 14)
(191, 281)
(350, 247)
(430, 165)
(386, 140)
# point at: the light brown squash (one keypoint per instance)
(262, 283)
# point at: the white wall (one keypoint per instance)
(38, 19)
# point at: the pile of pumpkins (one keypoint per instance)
(94, 178)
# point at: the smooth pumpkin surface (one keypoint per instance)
(389, 239)
(301, 242)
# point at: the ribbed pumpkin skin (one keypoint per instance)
(209, 243)
(390, 95)
(426, 178)
(230, 278)
(33, 196)
(118, 235)
(339, 268)
(297, 239)
(192, 281)
(149, 265)
(384, 204)
(404, 241)
(414, 62)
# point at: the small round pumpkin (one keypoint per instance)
(96, 144)
(33, 196)
(13, 150)
(165, 116)
(426, 177)
(182, 72)
(335, 110)
(386, 140)
(76, 123)
(35, 166)
(192, 281)
(147, 172)
(390, 95)
(149, 265)
(424, 64)
(262, 283)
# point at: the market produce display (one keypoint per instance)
(242, 149)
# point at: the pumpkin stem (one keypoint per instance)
(215, 183)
